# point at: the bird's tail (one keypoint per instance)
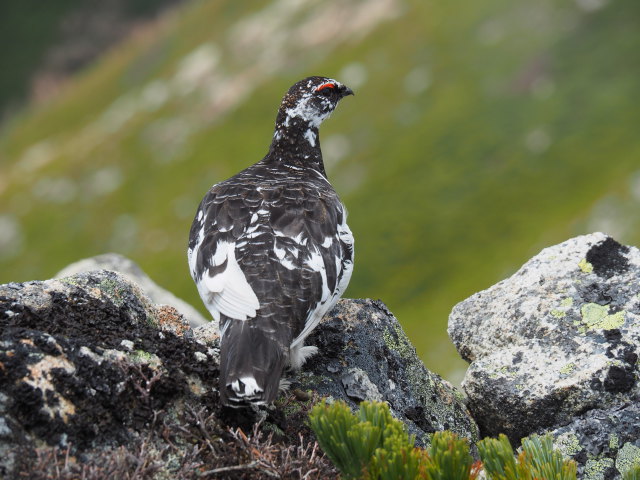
(251, 364)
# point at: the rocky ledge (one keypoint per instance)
(96, 380)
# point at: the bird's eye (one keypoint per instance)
(325, 86)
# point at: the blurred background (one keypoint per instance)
(480, 133)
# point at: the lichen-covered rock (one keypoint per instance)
(604, 443)
(365, 355)
(86, 360)
(557, 339)
(130, 270)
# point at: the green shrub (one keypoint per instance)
(448, 458)
(498, 459)
(372, 445)
(349, 441)
(632, 474)
(375, 446)
(538, 459)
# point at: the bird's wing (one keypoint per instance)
(313, 249)
(222, 222)
(333, 260)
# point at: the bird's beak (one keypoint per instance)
(345, 91)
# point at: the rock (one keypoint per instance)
(365, 355)
(94, 376)
(131, 270)
(555, 340)
(86, 360)
(604, 443)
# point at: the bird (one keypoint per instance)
(270, 250)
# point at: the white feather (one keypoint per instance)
(250, 387)
(311, 137)
(192, 254)
(228, 292)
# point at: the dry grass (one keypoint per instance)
(195, 447)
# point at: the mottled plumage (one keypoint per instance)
(271, 252)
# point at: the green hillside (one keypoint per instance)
(479, 133)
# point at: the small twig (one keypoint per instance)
(232, 468)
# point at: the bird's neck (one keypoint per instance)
(296, 144)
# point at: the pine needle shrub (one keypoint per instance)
(545, 461)
(498, 458)
(396, 461)
(538, 459)
(449, 458)
(372, 445)
(349, 441)
(632, 474)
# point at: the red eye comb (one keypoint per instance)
(325, 85)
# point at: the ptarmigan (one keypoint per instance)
(271, 252)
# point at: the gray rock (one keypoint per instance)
(555, 340)
(365, 355)
(131, 270)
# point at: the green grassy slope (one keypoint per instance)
(479, 133)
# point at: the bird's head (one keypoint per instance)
(310, 101)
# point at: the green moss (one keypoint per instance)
(308, 380)
(140, 356)
(585, 266)
(113, 289)
(628, 456)
(558, 313)
(272, 427)
(596, 316)
(293, 408)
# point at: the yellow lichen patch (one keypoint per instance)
(40, 377)
(596, 316)
(568, 368)
(567, 302)
(585, 266)
(628, 457)
(563, 308)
